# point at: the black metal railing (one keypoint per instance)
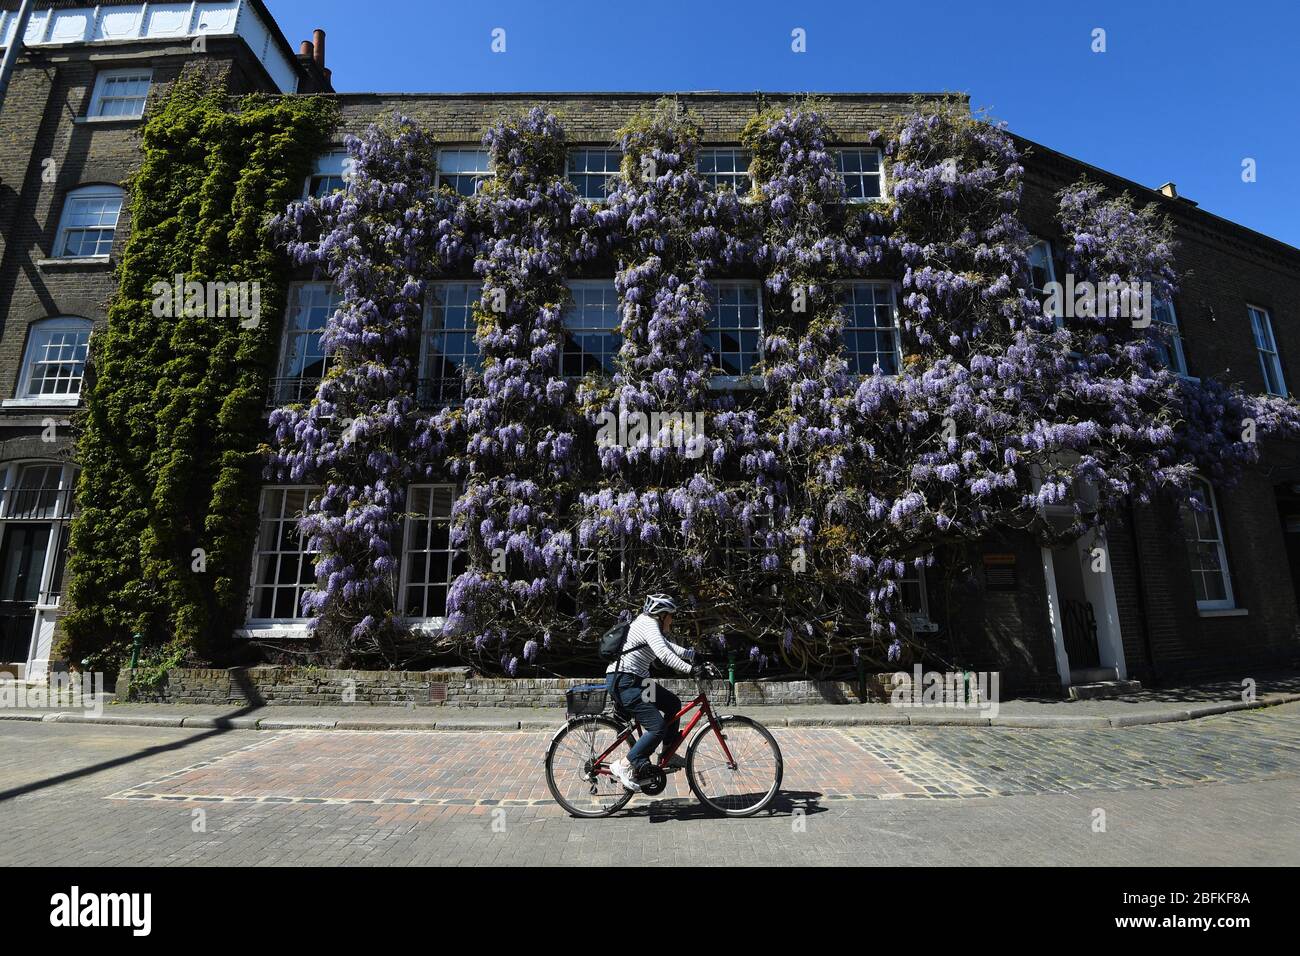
(430, 392)
(37, 504)
(291, 391)
(438, 392)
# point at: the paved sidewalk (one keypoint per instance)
(1218, 791)
(1144, 707)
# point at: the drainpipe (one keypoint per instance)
(14, 50)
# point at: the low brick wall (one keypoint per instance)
(299, 686)
(451, 687)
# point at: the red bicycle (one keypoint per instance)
(733, 764)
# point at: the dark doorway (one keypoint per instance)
(22, 562)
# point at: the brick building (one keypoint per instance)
(69, 138)
(1180, 595)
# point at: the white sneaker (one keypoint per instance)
(622, 772)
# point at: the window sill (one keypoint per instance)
(59, 403)
(736, 383)
(1222, 612)
(108, 120)
(70, 262)
(293, 630)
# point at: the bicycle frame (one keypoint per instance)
(705, 711)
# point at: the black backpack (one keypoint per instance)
(611, 642)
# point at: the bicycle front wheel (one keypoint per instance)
(742, 783)
(578, 782)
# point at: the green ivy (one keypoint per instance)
(167, 446)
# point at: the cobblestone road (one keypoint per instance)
(1218, 790)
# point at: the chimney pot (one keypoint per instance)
(318, 44)
(306, 49)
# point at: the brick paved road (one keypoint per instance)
(1219, 790)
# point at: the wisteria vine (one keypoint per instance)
(791, 519)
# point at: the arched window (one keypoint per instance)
(89, 220)
(55, 361)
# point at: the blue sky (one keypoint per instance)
(1185, 91)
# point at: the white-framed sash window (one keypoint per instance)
(593, 171)
(591, 328)
(863, 172)
(88, 223)
(725, 168)
(871, 340)
(1270, 362)
(120, 94)
(735, 330)
(464, 169)
(430, 562)
(1206, 552)
(284, 568)
(54, 362)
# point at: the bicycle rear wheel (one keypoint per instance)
(574, 777)
(746, 783)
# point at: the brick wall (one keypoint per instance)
(1225, 267)
(452, 687)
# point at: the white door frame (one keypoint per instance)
(45, 612)
(1099, 591)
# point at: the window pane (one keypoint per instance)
(303, 362)
(428, 554)
(284, 565)
(735, 327)
(870, 329)
(463, 170)
(121, 94)
(449, 349)
(860, 170)
(1205, 551)
(591, 322)
(56, 358)
(725, 169)
(593, 171)
(89, 221)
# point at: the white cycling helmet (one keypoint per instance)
(656, 604)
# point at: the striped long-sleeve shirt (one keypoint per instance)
(645, 643)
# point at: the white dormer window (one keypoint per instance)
(464, 170)
(120, 94)
(725, 168)
(594, 172)
(862, 172)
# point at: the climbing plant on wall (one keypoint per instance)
(789, 518)
(169, 480)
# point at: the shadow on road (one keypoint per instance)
(786, 803)
(130, 758)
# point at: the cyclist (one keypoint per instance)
(628, 682)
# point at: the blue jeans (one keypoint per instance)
(657, 715)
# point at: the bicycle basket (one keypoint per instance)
(585, 701)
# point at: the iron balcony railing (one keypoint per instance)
(430, 392)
